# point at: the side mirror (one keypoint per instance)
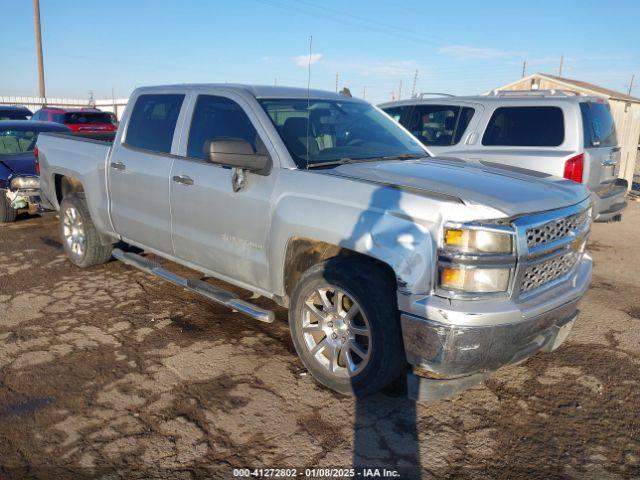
(237, 153)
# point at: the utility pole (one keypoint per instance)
(524, 68)
(413, 87)
(400, 90)
(275, 81)
(633, 77)
(36, 21)
(364, 92)
(337, 78)
(561, 65)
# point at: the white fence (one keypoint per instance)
(115, 105)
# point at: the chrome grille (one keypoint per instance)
(542, 273)
(556, 229)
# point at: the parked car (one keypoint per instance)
(385, 258)
(14, 112)
(18, 165)
(79, 119)
(558, 133)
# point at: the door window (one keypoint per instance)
(525, 127)
(439, 125)
(215, 118)
(153, 122)
(395, 112)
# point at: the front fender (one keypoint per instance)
(383, 233)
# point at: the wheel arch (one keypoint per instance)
(65, 185)
(302, 253)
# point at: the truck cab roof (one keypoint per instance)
(257, 91)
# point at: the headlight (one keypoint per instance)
(474, 280)
(25, 183)
(466, 240)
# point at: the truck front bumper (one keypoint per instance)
(453, 344)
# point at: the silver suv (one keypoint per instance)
(559, 133)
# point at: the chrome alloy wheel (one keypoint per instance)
(336, 331)
(73, 231)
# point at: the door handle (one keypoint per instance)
(118, 165)
(183, 179)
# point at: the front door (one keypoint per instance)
(139, 172)
(213, 226)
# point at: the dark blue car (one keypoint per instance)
(14, 112)
(19, 182)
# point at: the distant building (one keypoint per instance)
(625, 110)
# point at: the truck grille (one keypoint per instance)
(556, 229)
(542, 273)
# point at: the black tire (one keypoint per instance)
(94, 252)
(7, 212)
(374, 291)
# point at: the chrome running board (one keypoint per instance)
(200, 287)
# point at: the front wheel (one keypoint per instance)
(7, 212)
(79, 235)
(345, 326)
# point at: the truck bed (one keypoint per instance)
(82, 157)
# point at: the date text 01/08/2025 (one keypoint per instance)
(311, 473)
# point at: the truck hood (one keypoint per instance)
(20, 164)
(511, 190)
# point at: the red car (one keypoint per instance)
(79, 119)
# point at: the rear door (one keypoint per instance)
(139, 171)
(601, 151)
(534, 137)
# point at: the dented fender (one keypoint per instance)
(381, 229)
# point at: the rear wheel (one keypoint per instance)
(80, 236)
(345, 326)
(7, 212)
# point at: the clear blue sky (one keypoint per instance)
(457, 47)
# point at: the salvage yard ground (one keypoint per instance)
(109, 371)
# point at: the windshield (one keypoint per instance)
(88, 117)
(15, 142)
(334, 130)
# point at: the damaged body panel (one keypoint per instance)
(485, 265)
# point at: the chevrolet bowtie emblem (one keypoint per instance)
(576, 245)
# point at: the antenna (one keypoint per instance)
(308, 100)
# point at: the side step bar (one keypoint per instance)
(205, 289)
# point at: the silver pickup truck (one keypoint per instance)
(390, 262)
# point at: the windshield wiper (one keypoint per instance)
(404, 156)
(344, 161)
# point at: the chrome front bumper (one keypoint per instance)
(446, 339)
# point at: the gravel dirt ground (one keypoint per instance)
(108, 372)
